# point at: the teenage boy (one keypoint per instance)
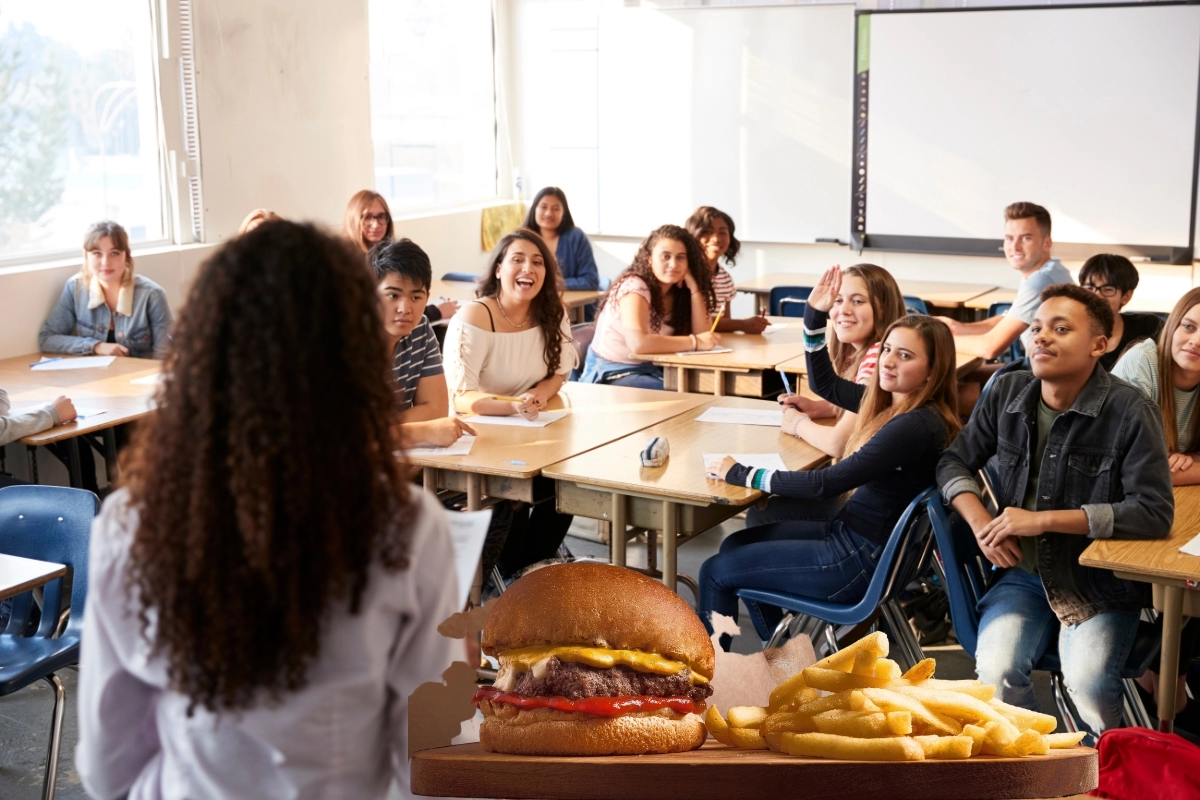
(403, 275)
(1080, 455)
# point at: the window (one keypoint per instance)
(433, 102)
(79, 134)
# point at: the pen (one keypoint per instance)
(46, 361)
(718, 319)
(786, 386)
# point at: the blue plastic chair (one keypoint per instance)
(967, 576)
(788, 301)
(1016, 350)
(48, 523)
(915, 305)
(462, 277)
(902, 559)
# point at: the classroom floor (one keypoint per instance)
(25, 716)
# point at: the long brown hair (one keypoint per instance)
(1166, 377)
(681, 312)
(352, 222)
(256, 515)
(939, 392)
(887, 304)
(547, 307)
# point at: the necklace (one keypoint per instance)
(506, 319)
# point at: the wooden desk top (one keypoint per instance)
(19, 574)
(599, 414)
(750, 351)
(104, 388)
(984, 301)
(1154, 558)
(616, 465)
(939, 293)
(963, 362)
(464, 291)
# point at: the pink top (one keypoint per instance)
(609, 341)
(866, 367)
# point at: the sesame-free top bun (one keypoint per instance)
(598, 605)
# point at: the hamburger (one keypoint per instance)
(594, 660)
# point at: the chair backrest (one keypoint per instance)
(1016, 350)
(915, 305)
(464, 277)
(967, 572)
(795, 296)
(581, 340)
(49, 523)
(1017, 365)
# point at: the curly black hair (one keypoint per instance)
(265, 482)
(681, 312)
(701, 222)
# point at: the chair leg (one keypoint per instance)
(831, 638)
(909, 649)
(1135, 709)
(48, 782)
(691, 583)
(780, 632)
(1065, 709)
(498, 579)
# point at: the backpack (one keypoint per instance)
(1141, 764)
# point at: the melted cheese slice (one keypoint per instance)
(532, 658)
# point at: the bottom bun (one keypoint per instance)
(593, 736)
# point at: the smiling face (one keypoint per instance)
(1109, 293)
(522, 271)
(401, 304)
(903, 363)
(668, 261)
(106, 261)
(1062, 344)
(715, 241)
(1024, 245)
(548, 214)
(1185, 349)
(852, 316)
(374, 222)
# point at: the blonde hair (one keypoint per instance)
(120, 239)
(256, 218)
(887, 305)
(1166, 377)
(940, 391)
(352, 223)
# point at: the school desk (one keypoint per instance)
(1176, 584)
(109, 390)
(464, 292)
(609, 483)
(944, 294)
(18, 575)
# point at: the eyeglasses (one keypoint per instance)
(1107, 290)
(380, 218)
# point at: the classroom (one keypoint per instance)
(556, 398)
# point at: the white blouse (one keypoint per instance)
(478, 360)
(344, 734)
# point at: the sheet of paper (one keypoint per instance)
(742, 416)
(714, 351)
(755, 460)
(1192, 548)
(460, 448)
(517, 421)
(468, 529)
(774, 328)
(87, 362)
(80, 411)
(149, 380)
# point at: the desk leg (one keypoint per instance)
(681, 384)
(670, 540)
(110, 455)
(474, 503)
(429, 480)
(73, 466)
(718, 383)
(616, 533)
(1168, 670)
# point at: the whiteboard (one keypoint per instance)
(745, 108)
(1090, 112)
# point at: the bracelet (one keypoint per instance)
(695, 344)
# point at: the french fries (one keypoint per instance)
(872, 711)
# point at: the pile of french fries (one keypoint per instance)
(876, 713)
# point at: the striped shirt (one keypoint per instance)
(1139, 366)
(814, 340)
(416, 356)
(722, 283)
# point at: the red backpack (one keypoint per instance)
(1141, 764)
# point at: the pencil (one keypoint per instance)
(504, 399)
(718, 319)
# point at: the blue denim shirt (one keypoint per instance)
(576, 261)
(1106, 455)
(74, 328)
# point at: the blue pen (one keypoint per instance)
(786, 386)
(46, 361)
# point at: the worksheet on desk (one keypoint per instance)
(460, 448)
(753, 460)
(731, 415)
(1192, 548)
(714, 351)
(86, 362)
(516, 420)
(774, 327)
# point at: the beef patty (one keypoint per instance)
(577, 681)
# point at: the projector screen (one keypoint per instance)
(1090, 112)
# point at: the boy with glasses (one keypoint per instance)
(1114, 278)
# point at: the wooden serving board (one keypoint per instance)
(716, 772)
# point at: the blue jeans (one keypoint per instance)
(821, 560)
(640, 376)
(792, 509)
(1016, 627)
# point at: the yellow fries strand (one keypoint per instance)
(746, 716)
(747, 739)
(716, 726)
(825, 745)
(945, 746)
(922, 671)
(1057, 741)
(832, 680)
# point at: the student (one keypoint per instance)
(906, 417)
(1114, 278)
(662, 303)
(714, 229)
(550, 216)
(265, 590)
(515, 342)
(14, 427)
(257, 217)
(368, 220)
(1081, 456)
(402, 277)
(106, 309)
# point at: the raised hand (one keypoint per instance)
(826, 291)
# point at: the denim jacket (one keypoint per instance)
(1106, 455)
(74, 328)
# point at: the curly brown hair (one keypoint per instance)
(704, 219)
(547, 308)
(681, 311)
(265, 483)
